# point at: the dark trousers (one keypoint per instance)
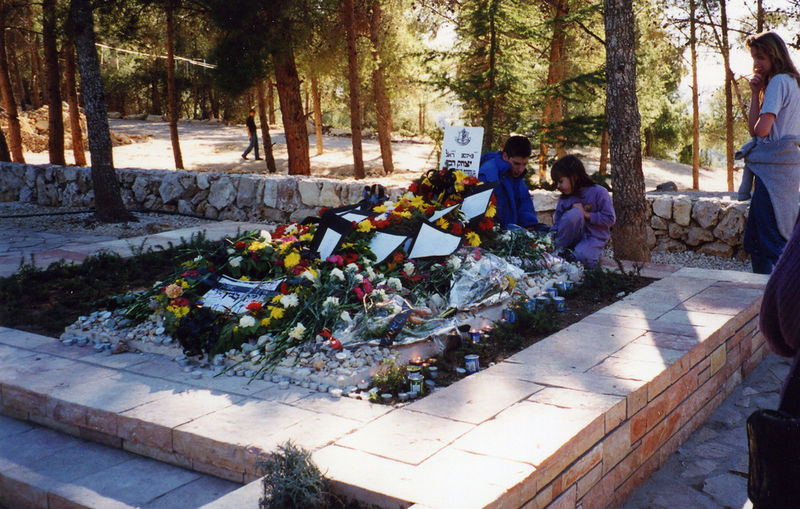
(253, 145)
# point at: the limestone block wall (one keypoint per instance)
(710, 223)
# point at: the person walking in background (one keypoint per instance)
(584, 213)
(772, 157)
(251, 131)
(507, 167)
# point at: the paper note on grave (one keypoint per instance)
(475, 204)
(461, 149)
(432, 241)
(234, 295)
(383, 244)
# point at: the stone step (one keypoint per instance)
(44, 468)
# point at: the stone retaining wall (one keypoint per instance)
(710, 223)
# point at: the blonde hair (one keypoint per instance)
(776, 51)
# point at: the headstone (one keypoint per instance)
(461, 149)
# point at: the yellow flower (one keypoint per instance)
(365, 226)
(178, 311)
(380, 208)
(257, 245)
(419, 203)
(406, 214)
(291, 259)
(244, 278)
(442, 223)
(277, 298)
(265, 322)
(347, 245)
(275, 312)
(491, 210)
(184, 283)
(306, 236)
(284, 246)
(473, 239)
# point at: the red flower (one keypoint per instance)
(486, 224)
(367, 286)
(350, 257)
(322, 211)
(179, 302)
(397, 257)
(456, 229)
(284, 288)
(359, 293)
(254, 306)
(240, 245)
(189, 273)
(470, 181)
(413, 187)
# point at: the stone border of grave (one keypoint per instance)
(709, 223)
(580, 418)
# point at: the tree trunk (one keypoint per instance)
(107, 196)
(629, 235)
(9, 104)
(352, 75)
(12, 45)
(317, 112)
(172, 92)
(270, 102)
(695, 98)
(759, 18)
(55, 119)
(294, 124)
(262, 118)
(36, 72)
(78, 151)
(5, 155)
(488, 119)
(553, 107)
(382, 106)
(728, 94)
(603, 166)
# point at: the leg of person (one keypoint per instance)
(570, 228)
(249, 148)
(762, 240)
(588, 251)
(254, 141)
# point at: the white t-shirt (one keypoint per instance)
(782, 99)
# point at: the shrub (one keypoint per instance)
(292, 480)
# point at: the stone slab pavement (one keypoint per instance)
(709, 470)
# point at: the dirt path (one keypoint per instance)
(217, 147)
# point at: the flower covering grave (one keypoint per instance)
(377, 274)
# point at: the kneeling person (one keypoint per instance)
(584, 213)
(514, 202)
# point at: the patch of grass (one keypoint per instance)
(45, 301)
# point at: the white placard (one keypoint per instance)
(383, 244)
(461, 149)
(439, 213)
(234, 295)
(431, 241)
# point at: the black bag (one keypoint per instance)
(773, 440)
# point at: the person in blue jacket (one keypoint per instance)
(507, 167)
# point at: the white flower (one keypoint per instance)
(247, 321)
(309, 274)
(290, 229)
(408, 268)
(290, 300)
(198, 258)
(359, 278)
(267, 236)
(379, 294)
(337, 273)
(298, 331)
(330, 303)
(454, 262)
(351, 267)
(370, 272)
(231, 250)
(345, 316)
(235, 261)
(394, 283)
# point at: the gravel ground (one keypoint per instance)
(30, 216)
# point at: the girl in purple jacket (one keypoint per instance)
(584, 213)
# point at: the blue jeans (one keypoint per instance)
(762, 240)
(253, 144)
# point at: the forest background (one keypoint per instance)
(536, 68)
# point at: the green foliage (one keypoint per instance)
(603, 180)
(46, 301)
(292, 480)
(391, 377)
(604, 283)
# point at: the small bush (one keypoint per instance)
(292, 480)
(391, 377)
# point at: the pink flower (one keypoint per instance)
(338, 260)
(367, 286)
(359, 293)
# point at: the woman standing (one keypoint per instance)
(773, 155)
